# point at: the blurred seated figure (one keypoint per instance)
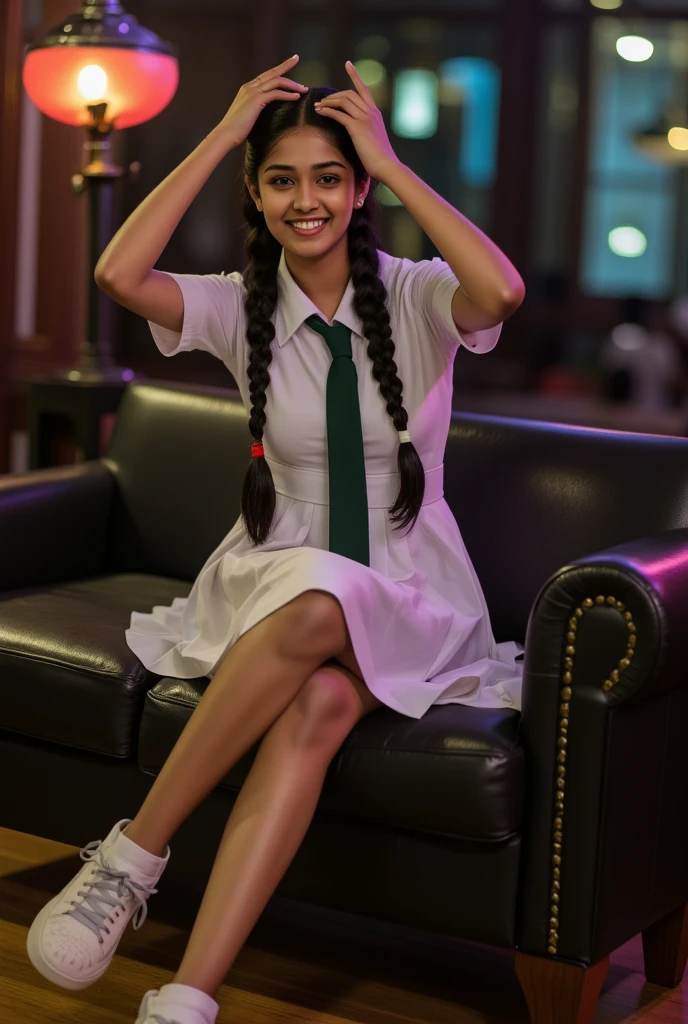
(639, 364)
(557, 355)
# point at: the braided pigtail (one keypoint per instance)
(370, 304)
(258, 498)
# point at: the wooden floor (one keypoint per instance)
(300, 964)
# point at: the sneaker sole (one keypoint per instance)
(33, 948)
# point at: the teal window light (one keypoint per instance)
(625, 188)
(480, 83)
(414, 105)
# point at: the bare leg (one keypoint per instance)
(258, 679)
(270, 818)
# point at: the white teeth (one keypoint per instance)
(307, 224)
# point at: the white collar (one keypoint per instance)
(295, 306)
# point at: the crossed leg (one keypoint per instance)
(346, 663)
(272, 813)
(257, 680)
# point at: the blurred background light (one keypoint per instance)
(312, 72)
(475, 83)
(627, 241)
(634, 48)
(678, 138)
(386, 197)
(372, 47)
(372, 72)
(415, 102)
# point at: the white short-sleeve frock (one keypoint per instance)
(417, 617)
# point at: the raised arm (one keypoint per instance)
(125, 269)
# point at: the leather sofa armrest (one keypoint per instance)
(604, 717)
(53, 524)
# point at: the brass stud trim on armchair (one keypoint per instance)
(562, 740)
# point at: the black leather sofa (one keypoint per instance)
(561, 832)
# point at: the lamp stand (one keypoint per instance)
(95, 363)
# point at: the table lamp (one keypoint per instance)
(100, 69)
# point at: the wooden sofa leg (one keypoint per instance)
(557, 992)
(665, 948)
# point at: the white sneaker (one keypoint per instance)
(73, 939)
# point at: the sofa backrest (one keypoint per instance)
(529, 496)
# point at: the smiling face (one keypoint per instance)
(305, 178)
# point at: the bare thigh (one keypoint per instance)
(346, 664)
(315, 621)
(325, 616)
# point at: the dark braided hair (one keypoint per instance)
(258, 498)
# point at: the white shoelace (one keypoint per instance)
(107, 891)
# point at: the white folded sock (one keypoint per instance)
(185, 1004)
(125, 854)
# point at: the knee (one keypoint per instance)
(325, 710)
(315, 624)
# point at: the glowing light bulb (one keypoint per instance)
(92, 83)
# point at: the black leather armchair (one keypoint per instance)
(561, 832)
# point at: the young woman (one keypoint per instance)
(344, 586)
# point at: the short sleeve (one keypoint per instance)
(213, 317)
(433, 283)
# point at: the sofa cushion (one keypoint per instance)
(66, 672)
(457, 771)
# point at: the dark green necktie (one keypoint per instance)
(345, 457)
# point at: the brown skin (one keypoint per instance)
(319, 265)
(293, 679)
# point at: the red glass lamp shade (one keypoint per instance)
(101, 55)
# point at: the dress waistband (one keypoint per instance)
(313, 485)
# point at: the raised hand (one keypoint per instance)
(254, 96)
(357, 111)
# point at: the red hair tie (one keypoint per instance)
(257, 450)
